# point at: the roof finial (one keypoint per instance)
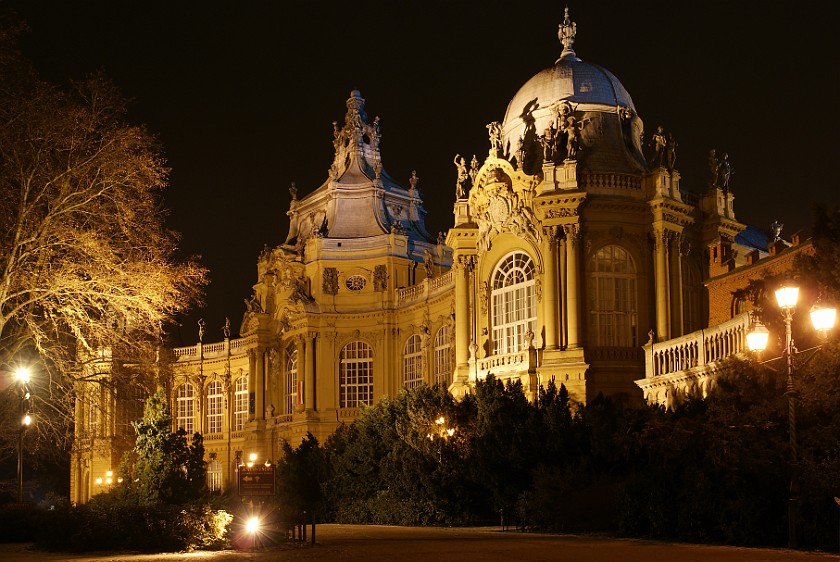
(566, 33)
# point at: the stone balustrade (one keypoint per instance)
(500, 365)
(697, 349)
(425, 289)
(233, 347)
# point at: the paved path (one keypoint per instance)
(354, 543)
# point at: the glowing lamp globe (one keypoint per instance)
(823, 319)
(786, 297)
(757, 337)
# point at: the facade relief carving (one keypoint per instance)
(380, 278)
(499, 208)
(329, 282)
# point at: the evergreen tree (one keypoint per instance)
(165, 469)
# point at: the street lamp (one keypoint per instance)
(22, 375)
(823, 320)
(441, 432)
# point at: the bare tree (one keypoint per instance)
(86, 262)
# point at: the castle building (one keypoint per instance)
(570, 249)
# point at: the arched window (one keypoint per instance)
(292, 397)
(514, 303)
(214, 475)
(355, 375)
(185, 408)
(413, 362)
(443, 356)
(215, 407)
(612, 299)
(240, 403)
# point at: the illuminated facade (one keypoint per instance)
(570, 250)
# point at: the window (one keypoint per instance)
(215, 407)
(443, 356)
(214, 475)
(185, 408)
(612, 299)
(291, 380)
(514, 303)
(240, 403)
(356, 282)
(355, 375)
(413, 362)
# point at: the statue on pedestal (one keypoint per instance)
(460, 185)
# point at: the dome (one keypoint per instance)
(589, 92)
(572, 80)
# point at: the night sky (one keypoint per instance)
(243, 94)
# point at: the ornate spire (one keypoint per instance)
(566, 34)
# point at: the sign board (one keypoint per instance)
(257, 480)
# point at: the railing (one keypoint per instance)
(614, 354)
(283, 418)
(443, 282)
(214, 437)
(426, 288)
(413, 293)
(610, 182)
(236, 347)
(697, 349)
(503, 364)
(348, 413)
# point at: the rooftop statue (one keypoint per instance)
(713, 167)
(495, 132)
(724, 172)
(671, 151)
(460, 184)
(658, 142)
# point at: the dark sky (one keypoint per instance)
(243, 95)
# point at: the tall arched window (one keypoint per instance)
(355, 375)
(292, 397)
(514, 303)
(215, 407)
(443, 356)
(185, 408)
(413, 362)
(612, 299)
(240, 403)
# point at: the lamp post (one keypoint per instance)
(22, 376)
(823, 320)
(442, 433)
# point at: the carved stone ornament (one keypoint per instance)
(500, 209)
(380, 278)
(330, 281)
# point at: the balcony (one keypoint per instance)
(684, 365)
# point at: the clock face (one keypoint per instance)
(356, 282)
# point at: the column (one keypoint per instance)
(259, 386)
(663, 329)
(572, 291)
(309, 373)
(462, 313)
(252, 383)
(550, 285)
(675, 293)
(564, 307)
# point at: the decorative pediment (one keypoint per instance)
(501, 203)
